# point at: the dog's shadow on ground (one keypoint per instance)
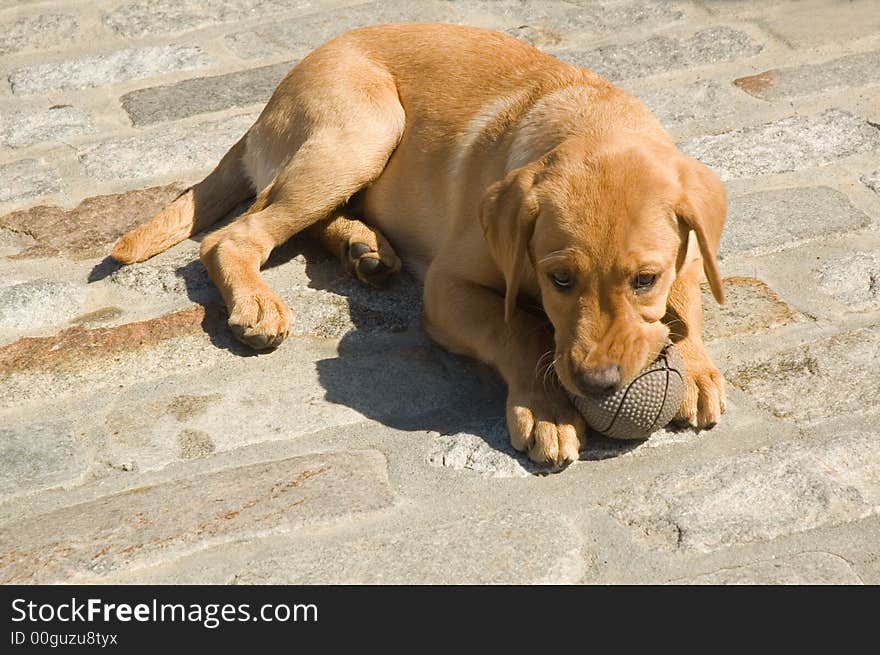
(386, 367)
(389, 370)
(103, 269)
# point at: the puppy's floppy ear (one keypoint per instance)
(702, 208)
(508, 212)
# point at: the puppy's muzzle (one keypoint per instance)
(598, 381)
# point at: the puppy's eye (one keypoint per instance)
(562, 279)
(643, 282)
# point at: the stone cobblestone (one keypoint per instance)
(299, 35)
(844, 73)
(98, 70)
(769, 221)
(758, 496)
(40, 32)
(563, 16)
(661, 53)
(166, 151)
(814, 22)
(88, 229)
(39, 455)
(471, 550)
(33, 369)
(142, 524)
(360, 452)
(801, 569)
(53, 124)
(488, 453)
(750, 307)
(785, 145)
(203, 95)
(853, 280)
(143, 17)
(150, 279)
(706, 100)
(37, 303)
(819, 381)
(27, 178)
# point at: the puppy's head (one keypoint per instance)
(604, 234)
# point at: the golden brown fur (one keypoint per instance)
(508, 180)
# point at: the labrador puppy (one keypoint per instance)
(556, 227)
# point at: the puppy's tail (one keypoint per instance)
(195, 209)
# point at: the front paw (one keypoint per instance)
(545, 425)
(704, 394)
(260, 320)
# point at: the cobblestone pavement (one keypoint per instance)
(139, 443)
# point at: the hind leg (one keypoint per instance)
(364, 251)
(233, 257)
(340, 117)
(234, 254)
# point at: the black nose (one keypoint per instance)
(598, 381)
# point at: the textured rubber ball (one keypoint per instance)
(643, 405)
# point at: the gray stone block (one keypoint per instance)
(769, 221)
(660, 54)
(788, 144)
(750, 307)
(38, 303)
(183, 276)
(299, 35)
(152, 523)
(615, 16)
(25, 128)
(819, 381)
(107, 68)
(495, 548)
(703, 101)
(174, 149)
(758, 496)
(27, 178)
(809, 23)
(40, 32)
(853, 280)
(540, 23)
(800, 569)
(143, 17)
(568, 16)
(487, 452)
(203, 95)
(847, 72)
(37, 456)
